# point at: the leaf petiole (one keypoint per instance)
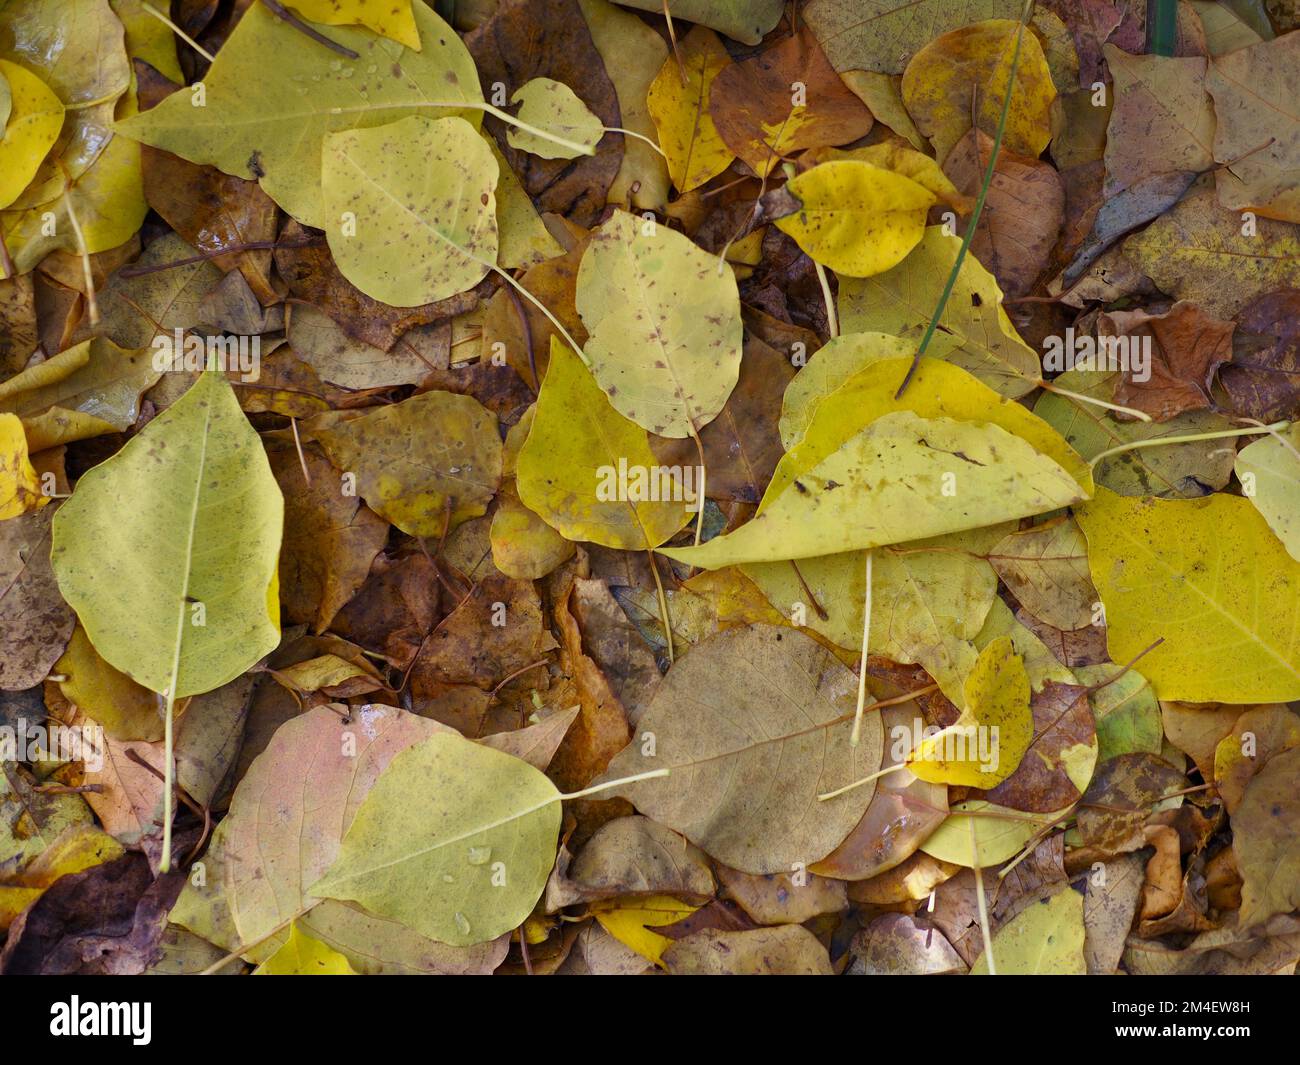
(1191, 438)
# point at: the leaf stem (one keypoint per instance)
(634, 133)
(858, 783)
(1191, 438)
(856, 734)
(981, 902)
(664, 619)
(577, 348)
(505, 116)
(832, 322)
(596, 788)
(1079, 397)
(177, 30)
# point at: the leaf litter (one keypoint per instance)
(751, 491)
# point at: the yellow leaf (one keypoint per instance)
(388, 18)
(1000, 833)
(427, 464)
(1197, 247)
(35, 119)
(874, 470)
(1043, 939)
(984, 746)
(928, 600)
(275, 134)
(553, 106)
(472, 870)
(200, 541)
(895, 156)
(125, 709)
(965, 72)
(836, 362)
(523, 545)
(634, 53)
(687, 135)
(76, 848)
(90, 389)
(20, 488)
(568, 469)
(664, 325)
(1271, 466)
(411, 207)
(301, 955)
(524, 239)
(631, 921)
(882, 35)
(901, 301)
(856, 218)
(1209, 577)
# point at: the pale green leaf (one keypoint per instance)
(455, 841)
(902, 300)
(411, 208)
(275, 133)
(168, 550)
(663, 322)
(553, 106)
(1271, 466)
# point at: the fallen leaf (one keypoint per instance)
(1184, 348)
(695, 149)
(1271, 468)
(962, 77)
(1163, 120)
(784, 99)
(664, 325)
(1262, 156)
(732, 709)
(498, 821)
(425, 482)
(1193, 571)
(197, 473)
(276, 136)
(1045, 939)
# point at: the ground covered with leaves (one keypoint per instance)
(717, 486)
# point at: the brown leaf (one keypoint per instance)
(1263, 379)
(107, 920)
(211, 210)
(493, 632)
(1265, 840)
(35, 622)
(395, 608)
(632, 856)
(753, 107)
(614, 644)
(602, 729)
(742, 444)
(1063, 733)
(903, 812)
(330, 539)
(1186, 345)
(783, 898)
(896, 944)
(305, 263)
(1023, 212)
(1121, 797)
(786, 950)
